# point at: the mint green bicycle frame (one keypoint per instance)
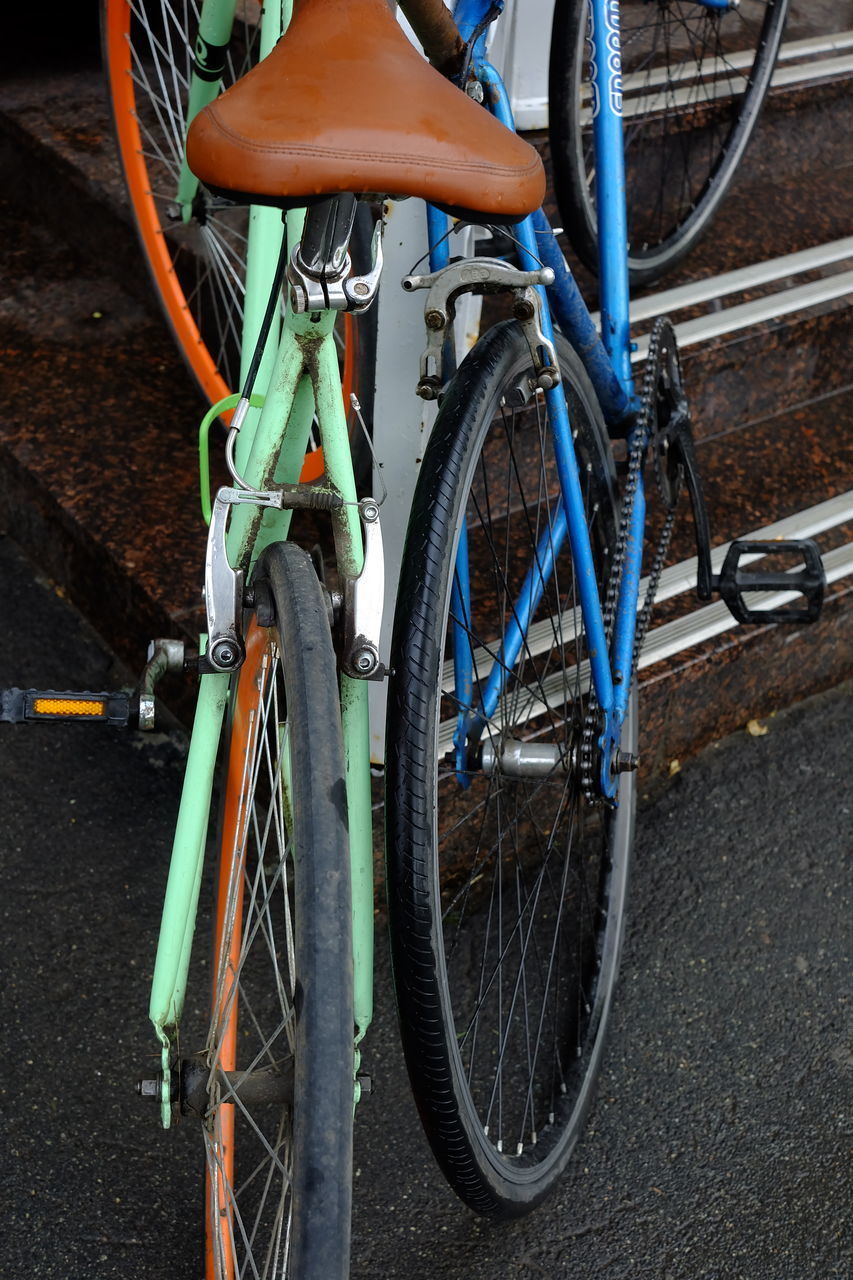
(300, 374)
(265, 227)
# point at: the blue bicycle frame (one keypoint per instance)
(607, 359)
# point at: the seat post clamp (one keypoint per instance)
(327, 284)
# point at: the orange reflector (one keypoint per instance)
(69, 706)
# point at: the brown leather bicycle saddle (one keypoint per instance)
(345, 103)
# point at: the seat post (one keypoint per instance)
(326, 237)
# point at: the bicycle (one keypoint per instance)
(695, 77)
(512, 727)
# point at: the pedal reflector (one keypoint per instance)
(87, 707)
(18, 706)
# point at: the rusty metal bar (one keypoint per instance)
(433, 24)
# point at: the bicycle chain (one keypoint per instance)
(640, 438)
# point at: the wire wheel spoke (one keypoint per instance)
(249, 1144)
(198, 263)
(275, 1076)
(693, 81)
(200, 248)
(520, 924)
(511, 894)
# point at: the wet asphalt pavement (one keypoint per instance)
(720, 1144)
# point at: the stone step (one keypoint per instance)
(759, 339)
(98, 464)
(99, 477)
(58, 156)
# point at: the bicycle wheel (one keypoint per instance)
(276, 1077)
(198, 268)
(694, 79)
(506, 890)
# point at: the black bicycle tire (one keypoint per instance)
(322, 1113)
(570, 180)
(487, 1184)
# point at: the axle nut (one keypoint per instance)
(223, 654)
(364, 660)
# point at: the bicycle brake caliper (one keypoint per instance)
(363, 599)
(482, 276)
(223, 584)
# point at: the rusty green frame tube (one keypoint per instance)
(305, 385)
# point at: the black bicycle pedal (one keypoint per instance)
(808, 581)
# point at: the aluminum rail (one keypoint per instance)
(755, 276)
(746, 314)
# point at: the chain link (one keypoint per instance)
(661, 334)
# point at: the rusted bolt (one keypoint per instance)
(434, 319)
(523, 309)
